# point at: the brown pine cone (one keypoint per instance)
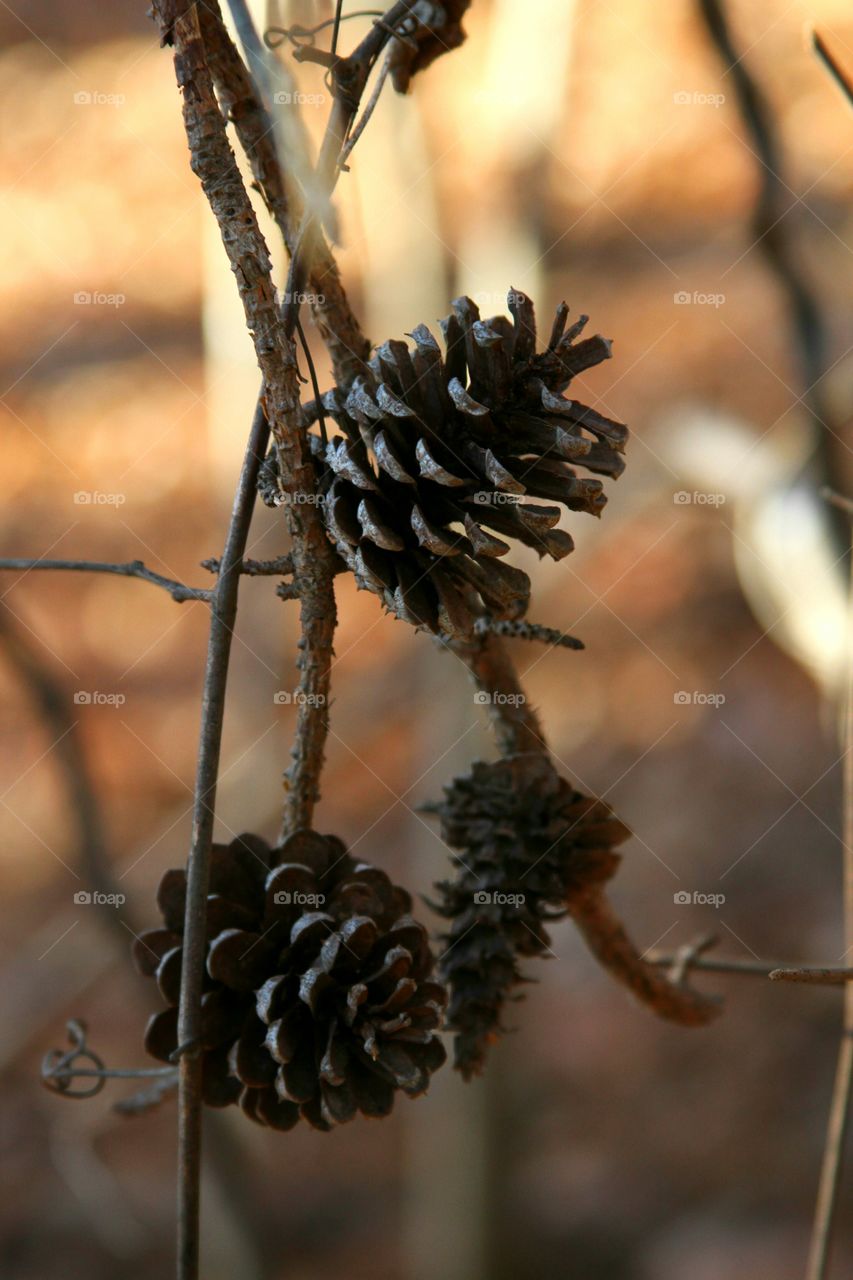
(431, 29)
(528, 842)
(317, 1000)
(424, 485)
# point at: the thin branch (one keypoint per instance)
(769, 227)
(256, 568)
(312, 370)
(833, 66)
(837, 500)
(333, 315)
(819, 977)
(213, 162)
(364, 119)
(608, 940)
(777, 972)
(774, 235)
(60, 1069)
(829, 1185)
(521, 630)
(222, 618)
(132, 569)
(145, 1100)
(349, 78)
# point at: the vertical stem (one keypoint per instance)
(842, 1090)
(223, 612)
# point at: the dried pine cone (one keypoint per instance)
(317, 1000)
(430, 30)
(424, 485)
(528, 841)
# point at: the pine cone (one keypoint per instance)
(528, 842)
(431, 30)
(423, 487)
(317, 1000)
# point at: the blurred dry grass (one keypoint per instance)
(617, 1148)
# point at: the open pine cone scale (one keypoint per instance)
(424, 487)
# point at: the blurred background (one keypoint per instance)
(587, 151)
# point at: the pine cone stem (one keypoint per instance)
(516, 724)
(517, 729)
(318, 618)
(608, 940)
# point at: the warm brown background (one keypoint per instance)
(549, 154)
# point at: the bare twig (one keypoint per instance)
(775, 237)
(521, 630)
(60, 1068)
(813, 977)
(606, 937)
(349, 78)
(776, 972)
(256, 568)
(837, 500)
(145, 1100)
(773, 203)
(364, 119)
(335, 319)
(278, 410)
(132, 569)
(829, 1185)
(222, 617)
(833, 66)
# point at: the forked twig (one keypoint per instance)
(132, 569)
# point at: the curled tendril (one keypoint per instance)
(304, 37)
(60, 1068)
